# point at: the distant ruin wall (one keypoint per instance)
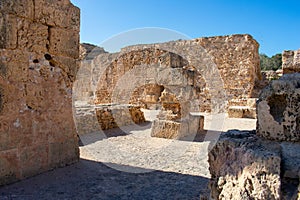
(291, 61)
(235, 56)
(39, 48)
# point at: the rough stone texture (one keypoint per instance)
(82, 89)
(113, 116)
(291, 159)
(278, 109)
(272, 156)
(176, 129)
(241, 112)
(242, 108)
(243, 166)
(89, 51)
(38, 50)
(148, 96)
(175, 120)
(85, 119)
(189, 70)
(270, 75)
(291, 61)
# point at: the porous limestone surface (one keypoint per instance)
(244, 166)
(39, 49)
(278, 109)
(291, 61)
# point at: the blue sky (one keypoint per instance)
(275, 24)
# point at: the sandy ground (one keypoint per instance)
(126, 163)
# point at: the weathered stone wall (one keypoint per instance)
(82, 87)
(39, 45)
(266, 165)
(291, 61)
(278, 109)
(242, 108)
(236, 58)
(89, 51)
(244, 167)
(148, 96)
(114, 116)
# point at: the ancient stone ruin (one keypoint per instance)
(177, 77)
(39, 48)
(265, 164)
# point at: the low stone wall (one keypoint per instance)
(86, 120)
(94, 118)
(177, 129)
(119, 115)
(242, 108)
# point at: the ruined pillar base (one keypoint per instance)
(171, 129)
(242, 108)
(113, 116)
(241, 112)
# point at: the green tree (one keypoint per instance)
(273, 63)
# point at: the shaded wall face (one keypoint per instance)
(39, 45)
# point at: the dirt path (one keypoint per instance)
(127, 163)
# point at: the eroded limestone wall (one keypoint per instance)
(236, 58)
(39, 48)
(291, 61)
(265, 164)
(243, 166)
(278, 109)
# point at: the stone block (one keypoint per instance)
(168, 129)
(241, 112)
(8, 31)
(244, 166)
(57, 14)
(176, 129)
(64, 42)
(32, 36)
(21, 8)
(278, 109)
(291, 61)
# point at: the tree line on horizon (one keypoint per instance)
(270, 63)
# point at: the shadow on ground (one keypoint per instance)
(93, 180)
(114, 132)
